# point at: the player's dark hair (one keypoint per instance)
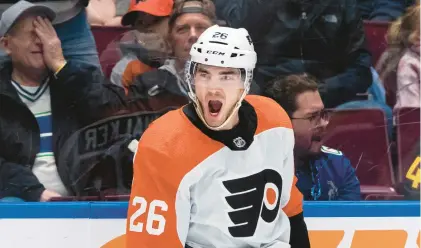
(284, 90)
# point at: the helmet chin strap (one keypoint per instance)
(199, 110)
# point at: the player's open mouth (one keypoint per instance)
(214, 107)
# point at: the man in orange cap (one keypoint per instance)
(143, 13)
(145, 47)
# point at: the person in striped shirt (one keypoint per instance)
(72, 27)
(44, 98)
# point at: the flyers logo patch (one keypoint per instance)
(253, 197)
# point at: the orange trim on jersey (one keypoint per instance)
(155, 161)
(269, 113)
(119, 242)
(295, 203)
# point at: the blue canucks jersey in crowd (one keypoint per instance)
(328, 176)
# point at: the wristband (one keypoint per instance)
(60, 68)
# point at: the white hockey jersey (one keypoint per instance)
(199, 189)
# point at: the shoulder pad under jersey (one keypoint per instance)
(326, 149)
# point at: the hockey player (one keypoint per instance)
(218, 172)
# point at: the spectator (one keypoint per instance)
(325, 39)
(382, 10)
(72, 28)
(44, 99)
(146, 47)
(188, 21)
(399, 66)
(323, 173)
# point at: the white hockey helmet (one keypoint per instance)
(222, 47)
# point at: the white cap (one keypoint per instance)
(14, 12)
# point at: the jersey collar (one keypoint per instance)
(238, 138)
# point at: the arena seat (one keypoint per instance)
(361, 134)
(106, 39)
(109, 57)
(407, 136)
(104, 35)
(383, 197)
(375, 33)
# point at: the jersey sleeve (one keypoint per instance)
(288, 169)
(291, 199)
(294, 207)
(153, 220)
(295, 203)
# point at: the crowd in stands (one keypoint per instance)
(69, 109)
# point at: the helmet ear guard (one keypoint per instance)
(222, 47)
(188, 74)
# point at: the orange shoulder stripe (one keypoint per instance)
(295, 203)
(269, 113)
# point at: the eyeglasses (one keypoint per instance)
(316, 118)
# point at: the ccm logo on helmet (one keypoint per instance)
(215, 52)
(253, 197)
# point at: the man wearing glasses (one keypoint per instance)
(323, 173)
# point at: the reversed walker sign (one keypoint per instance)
(102, 225)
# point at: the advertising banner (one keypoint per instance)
(102, 225)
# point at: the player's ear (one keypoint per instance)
(5, 44)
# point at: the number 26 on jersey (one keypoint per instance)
(137, 226)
